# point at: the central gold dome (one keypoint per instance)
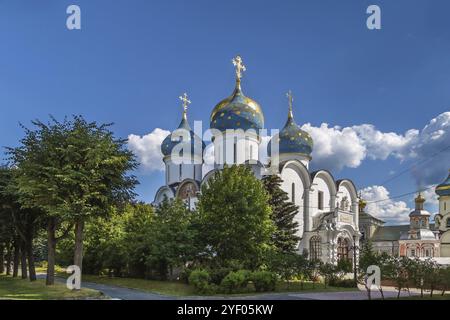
(237, 112)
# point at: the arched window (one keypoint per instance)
(343, 249)
(315, 248)
(448, 223)
(293, 193)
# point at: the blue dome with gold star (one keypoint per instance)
(444, 188)
(168, 144)
(292, 139)
(237, 111)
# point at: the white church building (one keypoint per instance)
(328, 208)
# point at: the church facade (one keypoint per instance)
(420, 238)
(328, 208)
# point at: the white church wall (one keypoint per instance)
(290, 178)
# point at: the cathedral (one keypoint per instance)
(328, 208)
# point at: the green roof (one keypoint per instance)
(390, 233)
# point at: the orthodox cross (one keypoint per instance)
(237, 62)
(186, 102)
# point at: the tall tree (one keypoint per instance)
(72, 170)
(22, 223)
(283, 214)
(234, 217)
(172, 238)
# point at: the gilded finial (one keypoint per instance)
(362, 203)
(186, 102)
(291, 100)
(240, 67)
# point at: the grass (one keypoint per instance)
(23, 289)
(177, 288)
(181, 289)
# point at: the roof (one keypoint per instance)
(390, 233)
(365, 215)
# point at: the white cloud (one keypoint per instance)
(148, 149)
(380, 206)
(337, 147)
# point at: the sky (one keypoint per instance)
(376, 102)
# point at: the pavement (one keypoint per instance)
(121, 293)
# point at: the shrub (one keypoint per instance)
(343, 283)
(218, 274)
(200, 280)
(264, 280)
(235, 281)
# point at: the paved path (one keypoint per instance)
(121, 293)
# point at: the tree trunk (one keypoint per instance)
(51, 246)
(16, 260)
(8, 259)
(30, 255)
(2, 259)
(78, 257)
(23, 260)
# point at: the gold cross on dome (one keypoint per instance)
(186, 102)
(237, 62)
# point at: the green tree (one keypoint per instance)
(172, 238)
(283, 213)
(234, 217)
(72, 170)
(18, 224)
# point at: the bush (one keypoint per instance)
(235, 281)
(218, 274)
(264, 280)
(200, 280)
(343, 283)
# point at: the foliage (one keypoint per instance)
(235, 281)
(328, 272)
(172, 237)
(264, 280)
(200, 279)
(234, 218)
(283, 213)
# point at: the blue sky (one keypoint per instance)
(132, 59)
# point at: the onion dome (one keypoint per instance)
(178, 135)
(237, 111)
(419, 210)
(444, 188)
(292, 139)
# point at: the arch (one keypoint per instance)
(323, 192)
(300, 169)
(208, 176)
(186, 182)
(162, 192)
(345, 183)
(346, 189)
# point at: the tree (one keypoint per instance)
(234, 217)
(432, 275)
(18, 224)
(72, 170)
(172, 237)
(283, 213)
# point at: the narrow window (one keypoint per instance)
(320, 200)
(194, 172)
(293, 193)
(315, 248)
(181, 171)
(251, 152)
(235, 152)
(445, 206)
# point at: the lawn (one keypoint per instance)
(436, 296)
(23, 289)
(176, 288)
